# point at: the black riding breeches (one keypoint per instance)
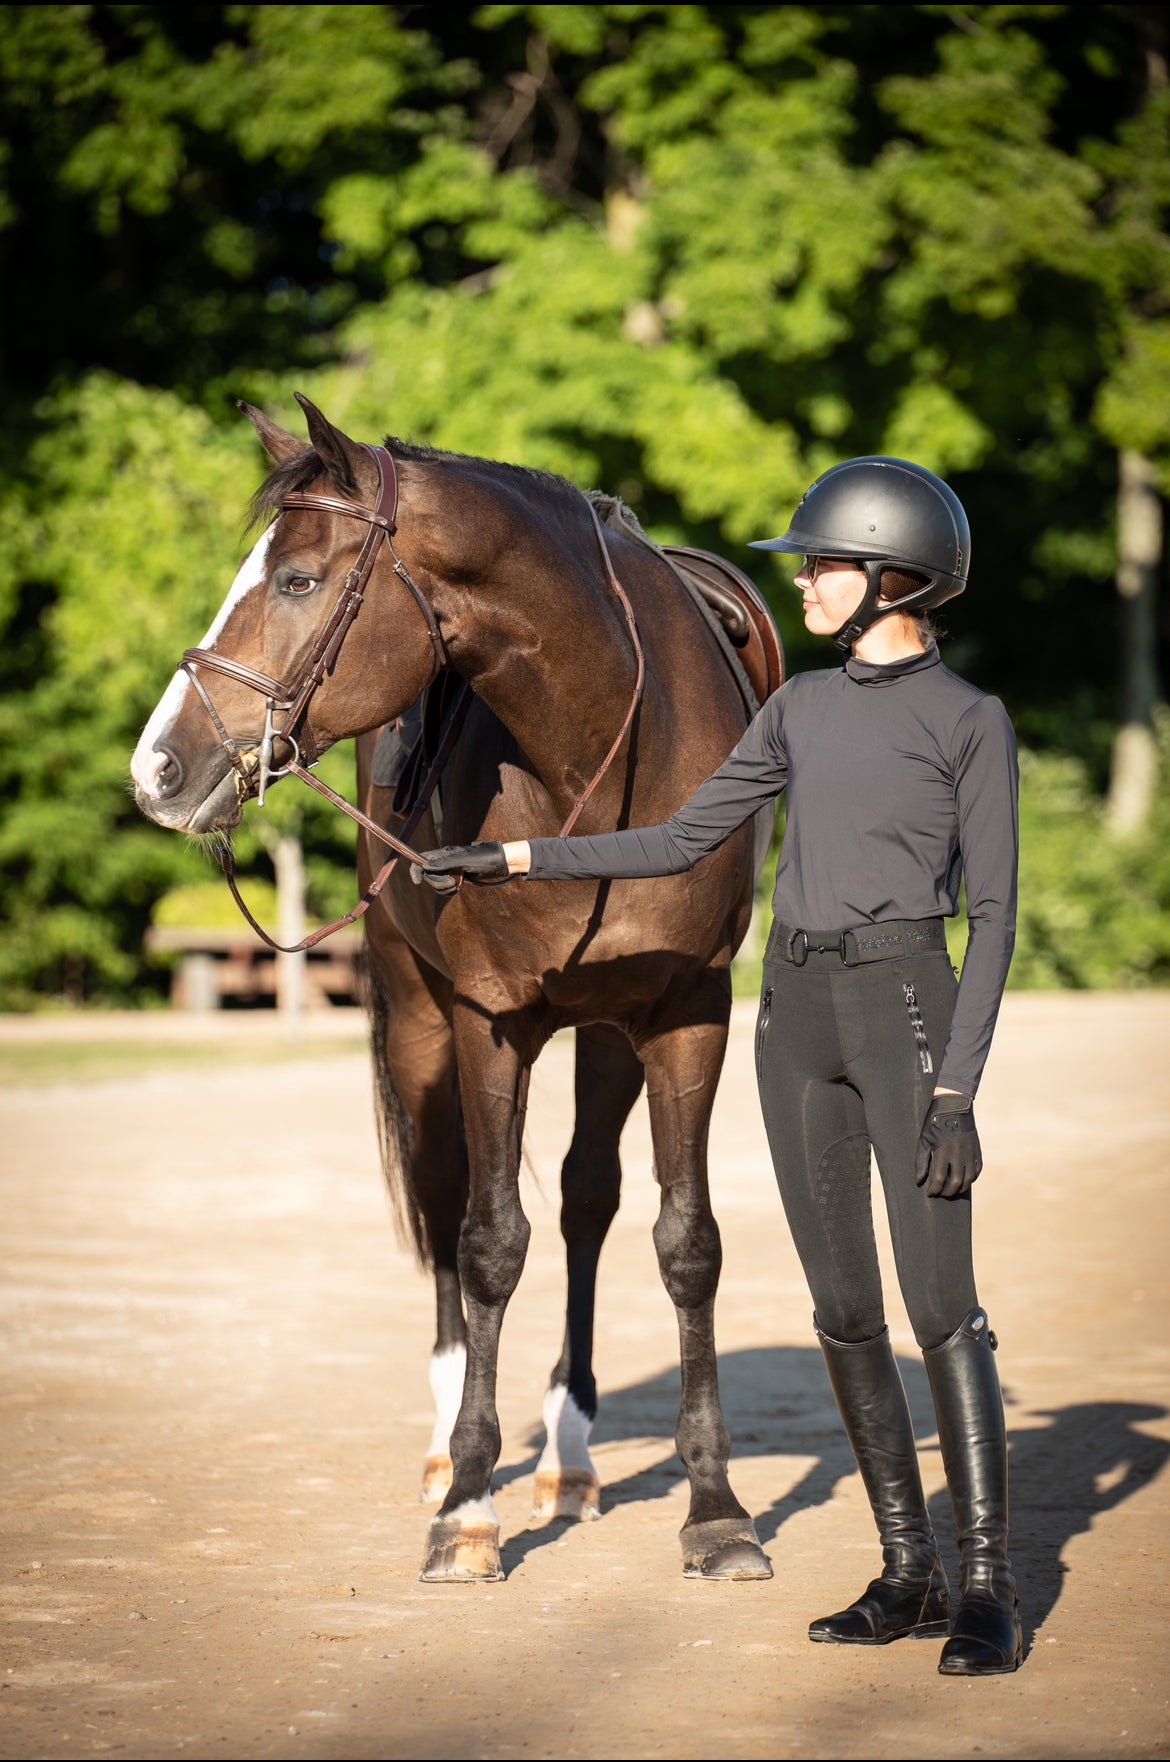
(842, 1057)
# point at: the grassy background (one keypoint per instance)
(43, 1063)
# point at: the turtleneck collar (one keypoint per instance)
(889, 672)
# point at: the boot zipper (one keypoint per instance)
(765, 1018)
(919, 1027)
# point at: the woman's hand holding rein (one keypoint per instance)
(447, 868)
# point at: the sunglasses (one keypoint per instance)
(814, 566)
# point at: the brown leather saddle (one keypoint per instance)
(742, 611)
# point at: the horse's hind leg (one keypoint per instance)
(608, 1081)
(682, 1069)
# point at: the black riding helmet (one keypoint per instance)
(883, 514)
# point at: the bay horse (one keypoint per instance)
(596, 695)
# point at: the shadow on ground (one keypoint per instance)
(1081, 1461)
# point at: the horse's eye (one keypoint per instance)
(299, 584)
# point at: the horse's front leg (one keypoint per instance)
(463, 1541)
(682, 1070)
(608, 1082)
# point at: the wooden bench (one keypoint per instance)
(212, 966)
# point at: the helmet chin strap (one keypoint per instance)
(872, 607)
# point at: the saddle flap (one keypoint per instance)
(407, 747)
(742, 610)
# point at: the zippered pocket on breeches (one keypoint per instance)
(762, 1029)
(919, 1027)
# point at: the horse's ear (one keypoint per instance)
(277, 442)
(347, 461)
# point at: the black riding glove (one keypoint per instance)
(444, 869)
(949, 1157)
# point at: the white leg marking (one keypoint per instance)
(464, 1546)
(446, 1376)
(474, 1514)
(146, 766)
(568, 1434)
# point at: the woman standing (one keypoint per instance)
(901, 781)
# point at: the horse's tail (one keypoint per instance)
(395, 1127)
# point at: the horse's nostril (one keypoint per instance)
(170, 773)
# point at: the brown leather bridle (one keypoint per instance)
(253, 766)
(293, 700)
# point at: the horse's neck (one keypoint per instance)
(545, 644)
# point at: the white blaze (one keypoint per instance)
(146, 766)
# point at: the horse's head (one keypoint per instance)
(276, 658)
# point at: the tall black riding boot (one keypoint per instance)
(910, 1597)
(986, 1637)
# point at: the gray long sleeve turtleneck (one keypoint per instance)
(901, 779)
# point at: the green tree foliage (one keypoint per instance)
(116, 560)
(693, 254)
(1094, 911)
(128, 514)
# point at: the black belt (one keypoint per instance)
(856, 948)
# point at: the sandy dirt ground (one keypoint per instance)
(216, 1408)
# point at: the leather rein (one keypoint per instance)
(253, 765)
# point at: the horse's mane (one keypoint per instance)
(297, 472)
(400, 449)
(614, 513)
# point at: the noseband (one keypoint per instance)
(292, 701)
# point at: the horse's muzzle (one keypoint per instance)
(196, 811)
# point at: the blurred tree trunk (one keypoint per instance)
(1133, 781)
(289, 862)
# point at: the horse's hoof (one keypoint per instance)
(735, 1560)
(726, 1548)
(572, 1493)
(438, 1474)
(461, 1554)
